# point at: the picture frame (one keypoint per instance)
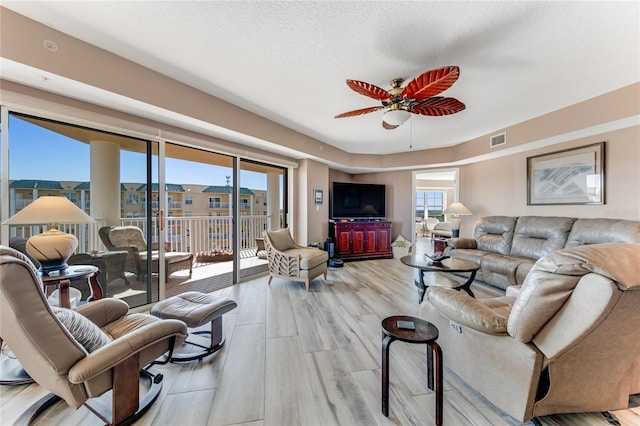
(318, 196)
(570, 176)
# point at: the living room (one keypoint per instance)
(492, 181)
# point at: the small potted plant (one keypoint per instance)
(400, 247)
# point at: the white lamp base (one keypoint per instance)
(52, 249)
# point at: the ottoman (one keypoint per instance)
(196, 309)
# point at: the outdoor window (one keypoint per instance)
(430, 204)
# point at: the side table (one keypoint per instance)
(74, 272)
(424, 332)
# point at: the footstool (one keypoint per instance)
(196, 309)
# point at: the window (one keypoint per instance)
(132, 199)
(430, 204)
(188, 199)
(435, 204)
(71, 196)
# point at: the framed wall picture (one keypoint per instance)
(318, 196)
(571, 176)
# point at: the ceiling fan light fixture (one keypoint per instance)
(396, 117)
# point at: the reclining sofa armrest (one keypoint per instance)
(104, 311)
(484, 315)
(462, 243)
(119, 349)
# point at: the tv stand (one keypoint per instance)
(361, 239)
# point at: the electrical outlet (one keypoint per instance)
(455, 327)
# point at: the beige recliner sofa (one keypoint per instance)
(290, 261)
(507, 247)
(569, 342)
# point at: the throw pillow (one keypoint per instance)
(82, 329)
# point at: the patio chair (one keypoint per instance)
(131, 239)
(79, 355)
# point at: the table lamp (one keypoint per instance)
(53, 247)
(456, 210)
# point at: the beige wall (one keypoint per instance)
(312, 220)
(499, 186)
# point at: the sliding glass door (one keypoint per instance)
(105, 175)
(261, 207)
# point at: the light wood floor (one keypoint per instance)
(309, 358)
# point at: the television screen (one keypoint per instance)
(357, 200)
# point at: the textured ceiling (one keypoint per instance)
(288, 61)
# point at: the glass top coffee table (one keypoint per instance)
(424, 264)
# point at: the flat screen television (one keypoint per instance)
(357, 201)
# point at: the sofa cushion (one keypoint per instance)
(501, 270)
(495, 233)
(484, 315)
(597, 231)
(281, 239)
(309, 257)
(536, 236)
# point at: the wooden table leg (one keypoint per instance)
(63, 293)
(429, 368)
(435, 349)
(96, 288)
(386, 342)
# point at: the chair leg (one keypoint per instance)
(306, 283)
(270, 278)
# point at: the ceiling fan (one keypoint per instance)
(417, 97)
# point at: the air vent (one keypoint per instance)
(498, 140)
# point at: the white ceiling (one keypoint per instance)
(288, 61)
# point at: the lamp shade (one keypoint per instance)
(396, 117)
(51, 248)
(457, 209)
(49, 209)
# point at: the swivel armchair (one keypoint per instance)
(81, 354)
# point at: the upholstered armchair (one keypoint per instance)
(131, 239)
(80, 354)
(568, 341)
(290, 261)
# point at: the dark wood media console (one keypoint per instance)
(361, 240)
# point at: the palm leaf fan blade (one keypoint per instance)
(358, 112)
(436, 106)
(369, 90)
(431, 83)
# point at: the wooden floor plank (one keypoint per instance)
(240, 396)
(286, 380)
(280, 319)
(336, 391)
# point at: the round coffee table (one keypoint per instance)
(418, 331)
(424, 264)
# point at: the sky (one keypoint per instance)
(38, 153)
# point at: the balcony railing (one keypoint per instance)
(191, 234)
